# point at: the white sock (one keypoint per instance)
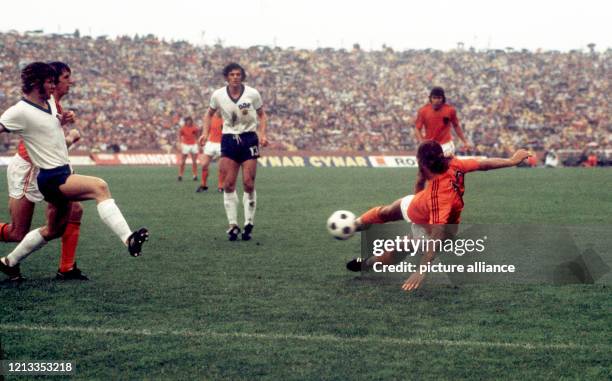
(230, 201)
(112, 217)
(29, 244)
(250, 203)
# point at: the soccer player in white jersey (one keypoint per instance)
(242, 111)
(24, 193)
(36, 120)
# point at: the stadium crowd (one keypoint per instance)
(132, 92)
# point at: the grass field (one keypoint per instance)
(283, 306)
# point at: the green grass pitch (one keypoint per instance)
(282, 306)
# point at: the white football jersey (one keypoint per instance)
(41, 131)
(239, 115)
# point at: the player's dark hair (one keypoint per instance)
(59, 68)
(437, 92)
(189, 120)
(233, 66)
(34, 75)
(431, 156)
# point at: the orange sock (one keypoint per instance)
(70, 239)
(3, 227)
(372, 216)
(204, 176)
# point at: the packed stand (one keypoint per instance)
(132, 93)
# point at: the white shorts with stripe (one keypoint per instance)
(21, 177)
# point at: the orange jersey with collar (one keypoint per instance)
(214, 132)
(438, 123)
(441, 202)
(21, 148)
(189, 134)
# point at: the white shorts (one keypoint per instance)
(212, 149)
(189, 148)
(448, 149)
(21, 177)
(418, 231)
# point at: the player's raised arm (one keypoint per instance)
(206, 126)
(497, 162)
(263, 125)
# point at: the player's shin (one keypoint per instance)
(250, 204)
(112, 217)
(230, 201)
(70, 240)
(29, 244)
(370, 217)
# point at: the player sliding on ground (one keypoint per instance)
(36, 119)
(435, 208)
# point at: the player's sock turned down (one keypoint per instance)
(230, 201)
(250, 203)
(112, 217)
(30, 243)
(372, 216)
(70, 240)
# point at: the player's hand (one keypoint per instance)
(202, 140)
(520, 155)
(74, 135)
(467, 147)
(263, 140)
(413, 282)
(67, 117)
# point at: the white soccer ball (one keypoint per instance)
(341, 224)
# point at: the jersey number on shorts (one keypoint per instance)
(254, 151)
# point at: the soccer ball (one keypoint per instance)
(341, 224)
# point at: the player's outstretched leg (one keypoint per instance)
(376, 215)
(57, 218)
(92, 188)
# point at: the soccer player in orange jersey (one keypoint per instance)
(188, 140)
(212, 151)
(24, 193)
(438, 203)
(434, 122)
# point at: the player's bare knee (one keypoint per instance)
(249, 186)
(52, 232)
(16, 234)
(101, 190)
(76, 213)
(390, 212)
